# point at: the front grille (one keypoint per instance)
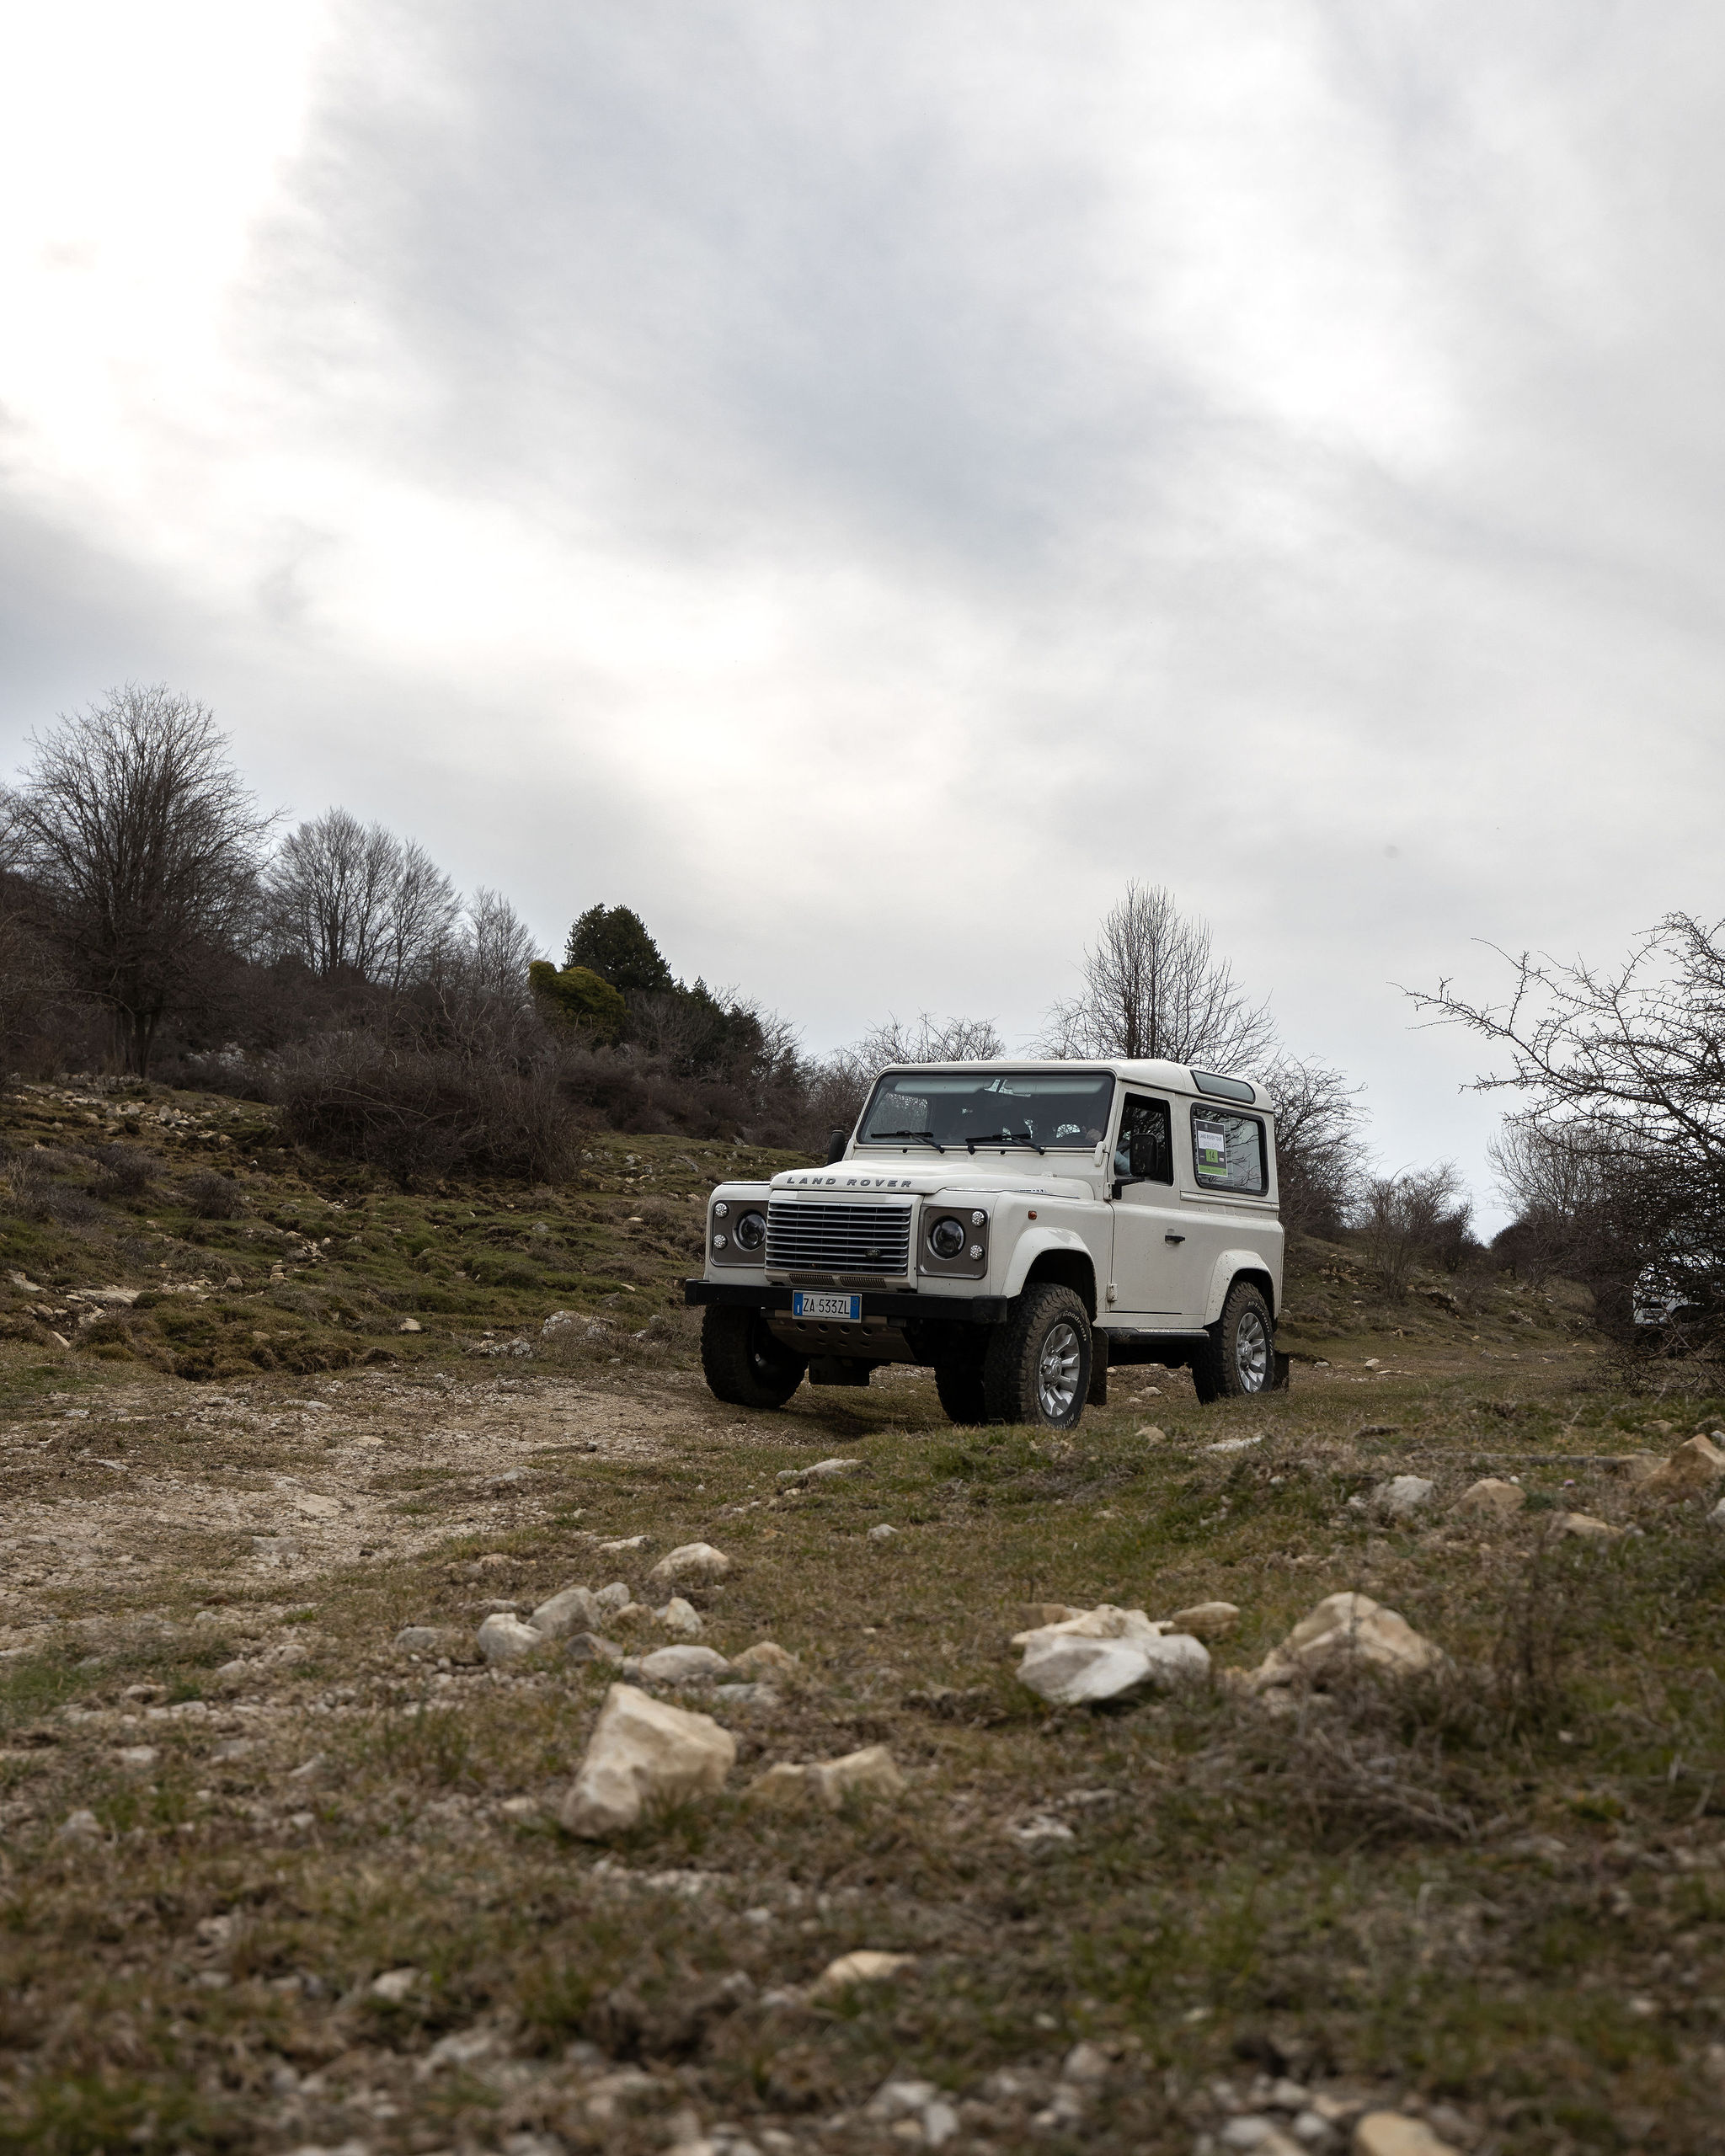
(806, 1237)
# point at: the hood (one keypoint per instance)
(992, 1177)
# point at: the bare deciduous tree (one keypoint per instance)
(144, 844)
(1154, 986)
(1418, 1215)
(347, 897)
(1320, 1167)
(1623, 1073)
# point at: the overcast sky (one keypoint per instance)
(857, 484)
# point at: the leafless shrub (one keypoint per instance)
(32, 1188)
(211, 1195)
(348, 898)
(418, 1115)
(1417, 1217)
(127, 1171)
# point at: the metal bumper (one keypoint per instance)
(944, 1309)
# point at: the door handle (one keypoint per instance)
(1173, 1239)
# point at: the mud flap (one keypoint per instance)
(1097, 1396)
(1284, 1366)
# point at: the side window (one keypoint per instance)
(1228, 1152)
(1148, 1123)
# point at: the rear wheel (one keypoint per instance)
(960, 1387)
(1239, 1357)
(1037, 1368)
(744, 1364)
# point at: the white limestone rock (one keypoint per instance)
(643, 1754)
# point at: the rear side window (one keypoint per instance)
(1229, 1152)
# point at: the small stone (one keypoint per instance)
(1343, 1628)
(1235, 1444)
(684, 1666)
(591, 1646)
(823, 1470)
(1087, 2064)
(420, 1639)
(1068, 1669)
(1261, 2135)
(1492, 1498)
(765, 1659)
(882, 1532)
(309, 1770)
(1587, 1529)
(1403, 1496)
(80, 1827)
(680, 1616)
(622, 1544)
(1372, 1363)
(1207, 1620)
(695, 1561)
(410, 1325)
(898, 2098)
(745, 1696)
(520, 1808)
(136, 1759)
(1691, 1470)
(573, 1609)
(1152, 1435)
(394, 1985)
(940, 2122)
(866, 1966)
(643, 1752)
(616, 1596)
(1104, 1622)
(502, 1638)
(1388, 2133)
(870, 1772)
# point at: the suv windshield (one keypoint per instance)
(970, 1108)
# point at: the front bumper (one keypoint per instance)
(943, 1309)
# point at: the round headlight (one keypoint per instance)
(719, 1242)
(750, 1231)
(946, 1238)
(720, 1209)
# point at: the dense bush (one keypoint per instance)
(213, 1196)
(418, 1114)
(579, 998)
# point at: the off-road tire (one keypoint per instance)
(1238, 1360)
(1016, 1385)
(962, 1393)
(744, 1365)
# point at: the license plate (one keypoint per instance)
(848, 1309)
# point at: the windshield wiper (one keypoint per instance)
(882, 1137)
(1006, 1138)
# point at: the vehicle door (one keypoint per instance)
(1226, 1178)
(1149, 1231)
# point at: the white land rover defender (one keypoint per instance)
(1016, 1226)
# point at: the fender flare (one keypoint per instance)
(1035, 1244)
(1224, 1273)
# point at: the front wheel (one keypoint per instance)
(1037, 1367)
(1239, 1357)
(744, 1364)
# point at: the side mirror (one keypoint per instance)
(836, 1141)
(1141, 1156)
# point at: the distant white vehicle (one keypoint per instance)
(1017, 1227)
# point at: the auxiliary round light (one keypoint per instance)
(719, 1242)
